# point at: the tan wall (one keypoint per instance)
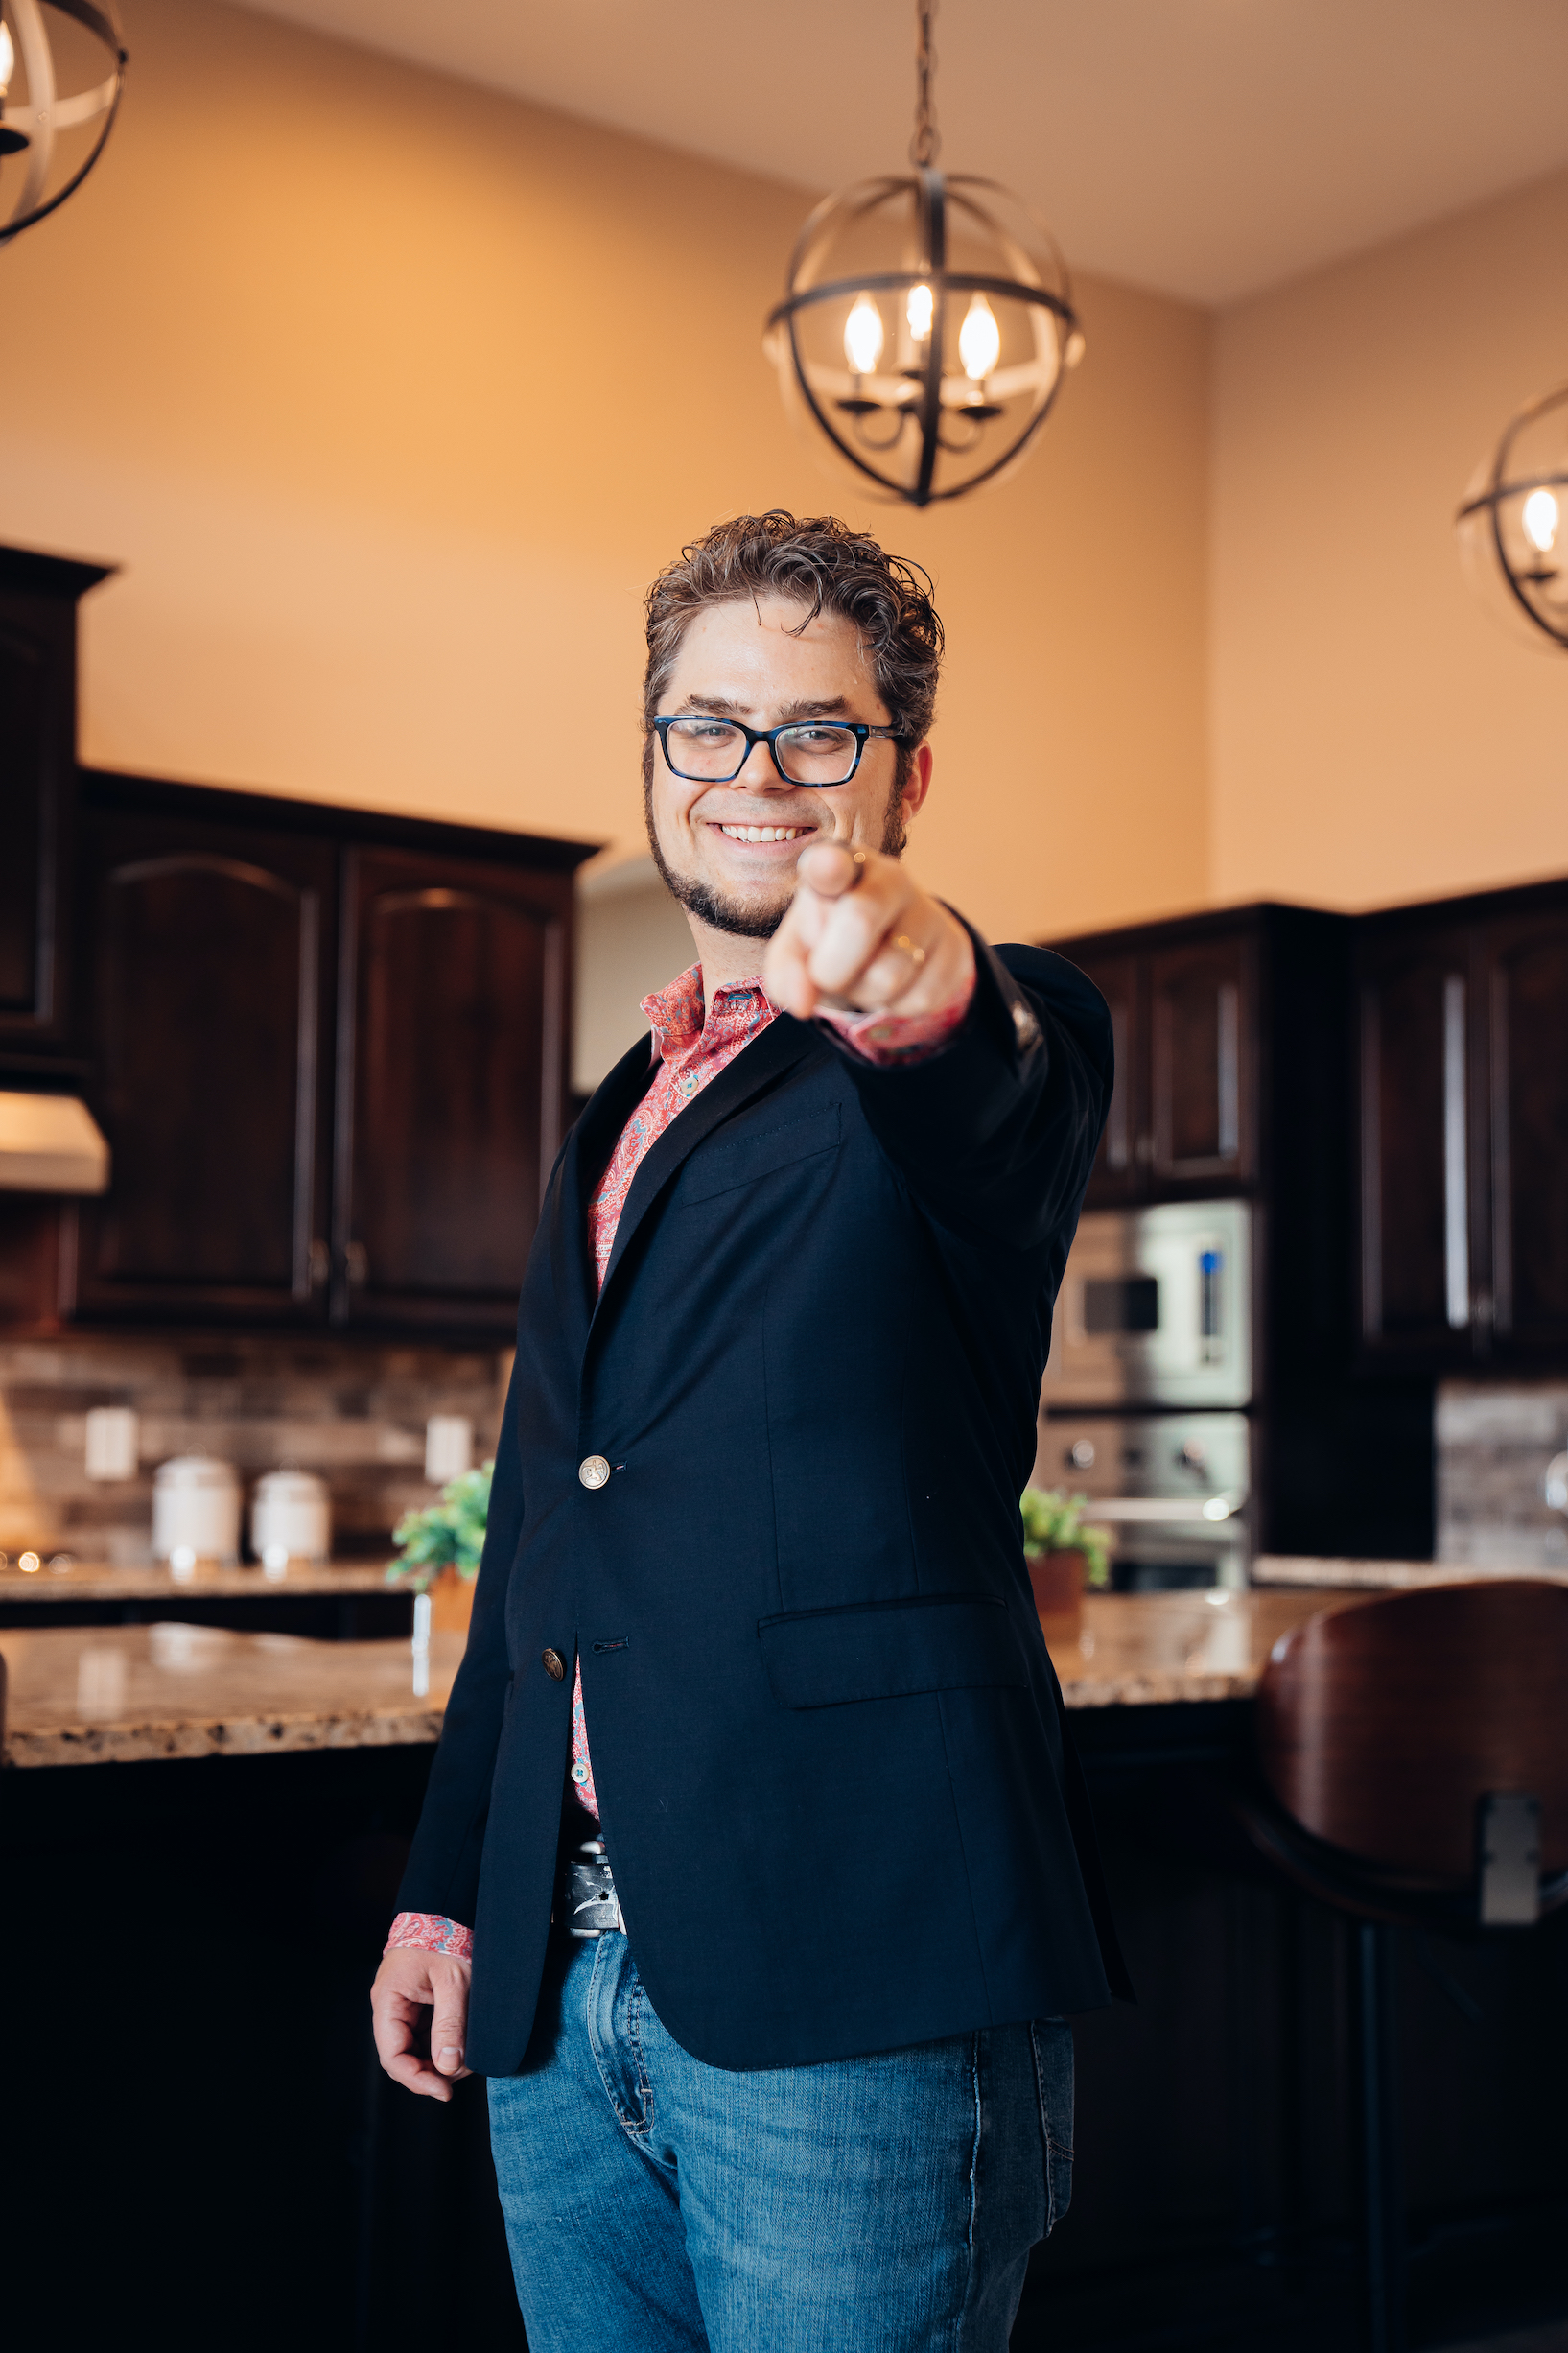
(374, 385)
(1375, 739)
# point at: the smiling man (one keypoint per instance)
(755, 1871)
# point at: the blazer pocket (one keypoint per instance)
(719, 1167)
(890, 1650)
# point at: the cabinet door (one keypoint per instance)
(37, 781)
(211, 944)
(1119, 1168)
(1523, 969)
(1201, 1090)
(451, 1072)
(1420, 1095)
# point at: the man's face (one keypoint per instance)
(728, 852)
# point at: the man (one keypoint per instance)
(771, 2005)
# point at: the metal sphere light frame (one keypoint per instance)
(927, 321)
(1513, 525)
(38, 167)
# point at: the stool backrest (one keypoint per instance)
(1383, 1724)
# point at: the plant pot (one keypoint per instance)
(451, 1602)
(1058, 1580)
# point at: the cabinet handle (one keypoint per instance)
(321, 1264)
(1228, 1070)
(356, 1265)
(1456, 1208)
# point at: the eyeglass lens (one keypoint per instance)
(814, 753)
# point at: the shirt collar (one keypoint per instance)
(680, 1018)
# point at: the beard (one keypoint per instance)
(759, 915)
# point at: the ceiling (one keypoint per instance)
(1204, 148)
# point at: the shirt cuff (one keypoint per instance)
(430, 1932)
(888, 1037)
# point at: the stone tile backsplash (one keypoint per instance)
(1494, 1441)
(352, 1411)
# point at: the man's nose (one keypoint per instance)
(758, 772)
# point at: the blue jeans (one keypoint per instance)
(885, 2204)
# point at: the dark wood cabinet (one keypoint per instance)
(39, 597)
(450, 1038)
(329, 1056)
(1414, 1174)
(211, 993)
(1184, 1118)
(1524, 971)
(1464, 1131)
(1202, 1126)
(1120, 1169)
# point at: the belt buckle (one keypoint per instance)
(591, 1905)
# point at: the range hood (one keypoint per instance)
(51, 1144)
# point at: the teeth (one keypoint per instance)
(763, 832)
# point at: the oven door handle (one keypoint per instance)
(1212, 1509)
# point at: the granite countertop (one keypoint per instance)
(136, 1694)
(104, 1695)
(98, 1581)
(1145, 1650)
(1278, 1568)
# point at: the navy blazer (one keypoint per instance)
(828, 1740)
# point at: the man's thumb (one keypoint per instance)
(448, 2019)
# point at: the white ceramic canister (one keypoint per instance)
(291, 1519)
(195, 1511)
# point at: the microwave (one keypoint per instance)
(1156, 1308)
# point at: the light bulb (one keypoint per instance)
(979, 340)
(8, 59)
(917, 310)
(1539, 517)
(863, 336)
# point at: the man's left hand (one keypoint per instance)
(861, 933)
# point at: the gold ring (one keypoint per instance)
(916, 956)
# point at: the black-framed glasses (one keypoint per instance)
(714, 751)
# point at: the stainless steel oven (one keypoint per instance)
(1172, 1488)
(1156, 1308)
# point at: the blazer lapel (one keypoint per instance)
(783, 1043)
(587, 1148)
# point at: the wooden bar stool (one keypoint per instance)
(1413, 1750)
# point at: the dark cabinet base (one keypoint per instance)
(211, 2155)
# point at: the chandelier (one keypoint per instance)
(58, 102)
(927, 321)
(1513, 525)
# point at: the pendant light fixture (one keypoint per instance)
(1513, 525)
(927, 321)
(62, 66)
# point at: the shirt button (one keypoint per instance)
(580, 1774)
(592, 1471)
(553, 1664)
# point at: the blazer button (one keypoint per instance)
(592, 1471)
(553, 1664)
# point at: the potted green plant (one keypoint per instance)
(1062, 1554)
(441, 1547)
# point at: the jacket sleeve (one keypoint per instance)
(997, 1131)
(443, 1869)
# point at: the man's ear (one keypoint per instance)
(918, 783)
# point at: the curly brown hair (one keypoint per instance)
(821, 564)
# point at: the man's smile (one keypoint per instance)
(761, 832)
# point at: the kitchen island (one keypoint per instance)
(197, 1935)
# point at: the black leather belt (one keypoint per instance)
(586, 1903)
